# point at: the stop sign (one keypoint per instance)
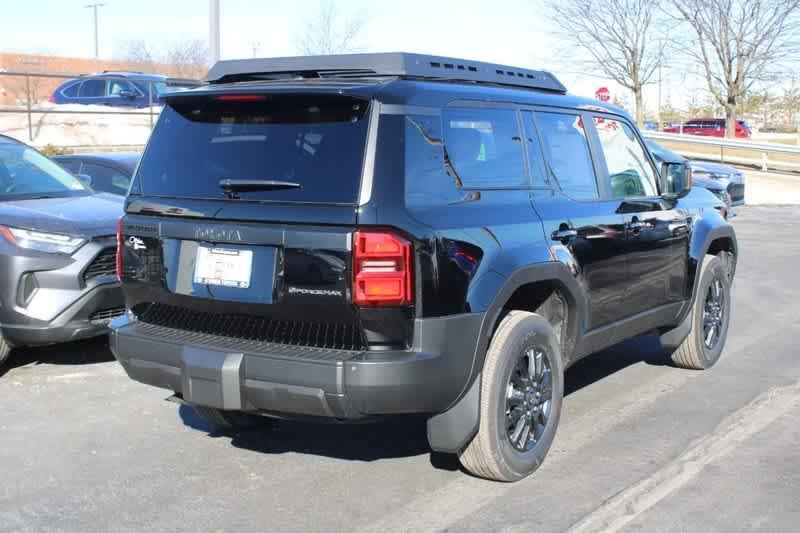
(603, 94)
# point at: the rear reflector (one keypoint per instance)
(119, 249)
(381, 270)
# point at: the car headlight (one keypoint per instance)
(42, 242)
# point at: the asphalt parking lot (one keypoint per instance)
(642, 445)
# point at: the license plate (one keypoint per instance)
(224, 267)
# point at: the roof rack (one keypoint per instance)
(401, 64)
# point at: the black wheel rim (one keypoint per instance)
(529, 398)
(713, 314)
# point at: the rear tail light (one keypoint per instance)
(119, 249)
(52, 99)
(381, 269)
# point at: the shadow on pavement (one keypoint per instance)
(82, 352)
(405, 436)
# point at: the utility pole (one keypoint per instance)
(96, 39)
(213, 31)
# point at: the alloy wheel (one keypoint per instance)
(529, 395)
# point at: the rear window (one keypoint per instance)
(317, 142)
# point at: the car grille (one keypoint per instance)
(329, 335)
(105, 315)
(104, 264)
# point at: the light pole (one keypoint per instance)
(96, 40)
(213, 30)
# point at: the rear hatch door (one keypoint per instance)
(241, 213)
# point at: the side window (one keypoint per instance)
(629, 170)
(567, 152)
(106, 179)
(484, 146)
(427, 180)
(92, 88)
(535, 158)
(71, 91)
(72, 165)
(116, 86)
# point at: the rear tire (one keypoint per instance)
(522, 383)
(711, 316)
(230, 420)
(5, 349)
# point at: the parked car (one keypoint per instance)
(478, 231)
(106, 172)
(726, 176)
(710, 127)
(663, 155)
(650, 125)
(713, 176)
(120, 89)
(57, 252)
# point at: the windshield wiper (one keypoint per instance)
(233, 186)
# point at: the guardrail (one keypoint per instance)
(732, 144)
(28, 106)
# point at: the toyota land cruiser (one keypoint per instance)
(354, 236)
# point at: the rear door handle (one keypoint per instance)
(564, 234)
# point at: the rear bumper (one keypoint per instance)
(288, 380)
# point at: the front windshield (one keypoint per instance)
(25, 173)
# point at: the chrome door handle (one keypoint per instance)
(564, 234)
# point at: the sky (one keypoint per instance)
(513, 32)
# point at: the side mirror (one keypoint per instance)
(127, 94)
(85, 178)
(676, 179)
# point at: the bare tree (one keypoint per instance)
(330, 32)
(738, 43)
(188, 59)
(183, 59)
(136, 51)
(618, 36)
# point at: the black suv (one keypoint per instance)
(355, 236)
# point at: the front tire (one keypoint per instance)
(230, 420)
(522, 386)
(711, 316)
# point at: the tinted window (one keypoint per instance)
(92, 88)
(427, 180)
(567, 152)
(484, 146)
(106, 179)
(71, 90)
(317, 142)
(534, 149)
(629, 170)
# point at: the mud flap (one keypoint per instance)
(451, 431)
(210, 380)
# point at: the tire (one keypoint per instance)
(491, 454)
(5, 349)
(230, 420)
(695, 352)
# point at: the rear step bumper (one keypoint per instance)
(285, 380)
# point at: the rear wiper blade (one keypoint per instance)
(234, 186)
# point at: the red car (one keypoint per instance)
(710, 127)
